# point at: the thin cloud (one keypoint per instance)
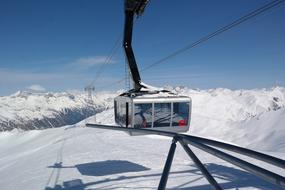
(93, 60)
(14, 76)
(14, 80)
(36, 88)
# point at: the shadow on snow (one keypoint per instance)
(103, 168)
(233, 178)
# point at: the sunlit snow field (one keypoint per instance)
(76, 157)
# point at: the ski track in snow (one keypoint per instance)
(76, 157)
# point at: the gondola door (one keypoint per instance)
(127, 114)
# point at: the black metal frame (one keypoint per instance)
(132, 7)
(167, 166)
(210, 146)
(127, 114)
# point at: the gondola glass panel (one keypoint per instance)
(116, 111)
(162, 114)
(180, 114)
(143, 115)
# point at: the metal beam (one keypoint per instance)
(234, 148)
(132, 8)
(240, 150)
(167, 166)
(200, 143)
(137, 130)
(199, 165)
(258, 171)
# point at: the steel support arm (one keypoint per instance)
(132, 7)
(233, 148)
(201, 144)
(201, 167)
(240, 150)
(167, 166)
(258, 171)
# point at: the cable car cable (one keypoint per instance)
(107, 60)
(237, 22)
(217, 32)
(117, 42)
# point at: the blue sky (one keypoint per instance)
(60, 45)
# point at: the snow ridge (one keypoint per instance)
(30, 110)
(217, 108)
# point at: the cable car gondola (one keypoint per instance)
(145, 106)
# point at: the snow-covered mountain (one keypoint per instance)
(245, 117)
(252, 118)
(217, 108)
(30, 110)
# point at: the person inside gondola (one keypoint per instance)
(140, 120)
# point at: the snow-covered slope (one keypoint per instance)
(26, 110)
(76, 157)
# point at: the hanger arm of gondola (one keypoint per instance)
(132, 8)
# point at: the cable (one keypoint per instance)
(121, 80)
(217, 32)
(211, 35)
(112, 84)
(108, 59)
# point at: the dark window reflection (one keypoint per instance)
(180, 114)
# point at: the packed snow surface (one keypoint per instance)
(76, 157)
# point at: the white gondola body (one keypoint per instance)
(159, 111)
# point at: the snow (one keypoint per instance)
(31, 110)
(39, 105)
(220, 113)
(77, 157)
(100, 159)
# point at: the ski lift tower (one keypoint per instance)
(90, 89)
